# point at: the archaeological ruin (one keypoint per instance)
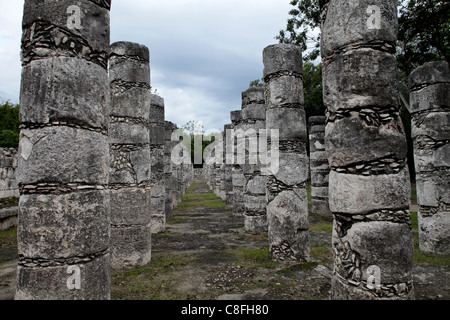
(100, 169)
(369, 183)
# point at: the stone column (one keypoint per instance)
(369, 185)
(254, 119)
(169, 172)
(157, 203)
(430, 112)
(319, 168)
(64, 218)
(228, 169)
(130, 178)
(237, 170)
(287, 208)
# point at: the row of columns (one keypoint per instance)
(93, 151)
(92, 156)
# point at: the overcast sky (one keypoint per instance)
(203, 53)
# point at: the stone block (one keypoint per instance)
(255, 224)
(358, 194)
(429, 160)
(434, 233)
(294, 168)
(130, 246)
(429, 73)
(130, 206)
(431, 97)
(290, 122)
(94, 21)
(285, 91)
(287, 214)
(351, 141)
(256, 185)
(432, 189)
(355, 22)
(34, 283)
(157, 109)
(68, 90)
(372, 241)
(254, 112)
(360, 78)
(282, 57)
(129, 70)
(74, 156)
(51, 225)
(128, 133)
(130, 50)
(131, 103)
(435, 125)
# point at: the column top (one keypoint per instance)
(125, 48)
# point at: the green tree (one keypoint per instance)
(9, 125)
(257, 83)
(423, 33)
(313, 90)
(304, 19)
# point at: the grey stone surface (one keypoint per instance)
(287, 207)
(319, 169)
(130, 166)
(62, 89)
(365, 143)
(430, 114)
(63, 157)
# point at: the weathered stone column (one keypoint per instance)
(319, 168)
(369, 186)
(157, 207)
(169, 167)
(228, 168)
(130, 178)
(254, 119)
(64, 218)
(237, 175)
(430, 111)
(287, 208)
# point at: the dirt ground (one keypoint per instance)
(206, 255)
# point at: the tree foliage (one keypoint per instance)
(9, 125)
(304, 18)
(424, 33)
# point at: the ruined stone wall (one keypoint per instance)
(130, 178)
(9, 187)
(430, 112)
(287, 208)
(63, 157)
(369, 185)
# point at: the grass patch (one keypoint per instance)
(191, 202)
(195, 185)
(8, 238)
(253, 258)
(322, 254)
(9, 202)
(154, 281)
(321, 227)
